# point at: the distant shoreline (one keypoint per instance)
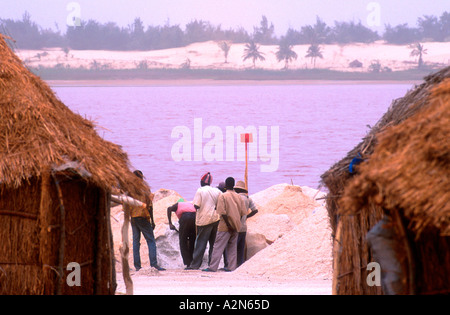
(212, 82)
(66, 77)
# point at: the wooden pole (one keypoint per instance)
(47, 237)
(246, 165)
(124, 251)
(19, 214)
(337, 248)
(62, 239)
(398, 220)
(246, 138)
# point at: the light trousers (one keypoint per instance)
(228, 241)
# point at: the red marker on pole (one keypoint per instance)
(246, 138)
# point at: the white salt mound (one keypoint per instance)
(285, 199)
(303, 253)
(263, 197)
(168, 249)
(160, 212)
(271, 226)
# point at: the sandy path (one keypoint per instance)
(181, 282)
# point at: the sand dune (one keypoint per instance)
(208, 55)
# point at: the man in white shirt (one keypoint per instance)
(207, 220)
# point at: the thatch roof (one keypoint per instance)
(38, 132)
(409, 169)
(338, 176)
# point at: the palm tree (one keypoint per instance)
(285, 53)
(252, 52)
(418, 50)
(313, 52)
(225, 46)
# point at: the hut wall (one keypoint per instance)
(351, 253)
(88, 239)
(19, 235)
(38, 249)
(432, 262)
(430, 257)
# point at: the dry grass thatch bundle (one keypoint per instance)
(56, 175)
(336, 178)
(405, 177)
(410, 168)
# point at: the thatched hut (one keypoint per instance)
(56, 175)
(395, 209)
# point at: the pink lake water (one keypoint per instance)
(175, 134)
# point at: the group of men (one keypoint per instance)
(217, 216)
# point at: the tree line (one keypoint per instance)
(93, 35)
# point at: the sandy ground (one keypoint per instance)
(196, 282)
(208, 55)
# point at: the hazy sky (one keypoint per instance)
(229, 13)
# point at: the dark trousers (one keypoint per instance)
(205, 234)
(142, 225)
(240, 250)
(187, 236)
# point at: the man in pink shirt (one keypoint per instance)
(185, 211)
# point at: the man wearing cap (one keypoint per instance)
(185, 212)
(221, 187)
(207, 220)
(249, 204)
(231, 209)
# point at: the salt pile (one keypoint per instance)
(303, 253)
(285, 199)
(304, 247)
(160, 206)
(271, 226)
